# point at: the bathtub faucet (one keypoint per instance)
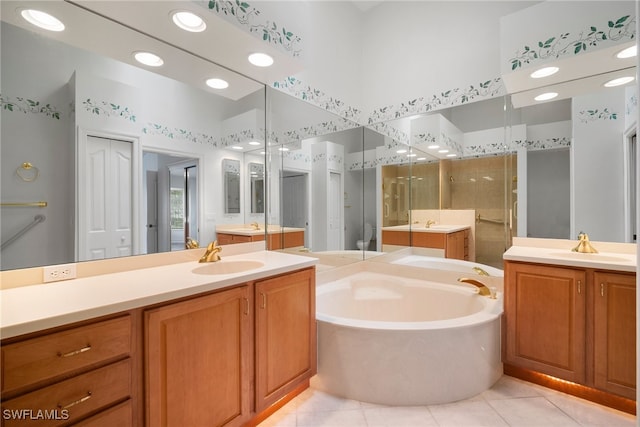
(482, 288)
(212, 254)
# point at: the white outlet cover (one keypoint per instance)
(55, 273)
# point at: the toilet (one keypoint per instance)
(363, 244)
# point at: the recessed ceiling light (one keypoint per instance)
(42, 20)
(443, 151)
(217, 83)
(629, 52)
(401, 151)
(188, 21)
(148, 58)
(263, 152)
(421, 158)
(433, 147)
(452, 155)
(260, 59)
(283, 149)
(236, 147)
(546, 96)
(254, 143)
(544, 72)
(411, 155)
(619, 81)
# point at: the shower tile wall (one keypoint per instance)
(480, 184)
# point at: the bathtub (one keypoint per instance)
(402, 341)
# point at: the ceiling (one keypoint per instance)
(190, 57)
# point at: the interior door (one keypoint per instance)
(107, 199)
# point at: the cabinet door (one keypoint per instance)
(545, 316)
(198, 361)
(615, 333)
(285, 335)
(455, 245)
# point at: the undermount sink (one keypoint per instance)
(589, 257)
(228, 267)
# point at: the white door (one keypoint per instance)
(334, 239)
(106, 199)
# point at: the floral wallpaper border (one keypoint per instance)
(108, 109)
(26, 105)
(566, 44)
(248, 17)
(595, 114)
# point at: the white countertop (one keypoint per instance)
(616, 261)
(31, 308)
(420, 228)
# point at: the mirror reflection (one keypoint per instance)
(149, 150)
(256, 190)
(231, 171)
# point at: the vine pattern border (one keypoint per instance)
(566, 44)
(26, 105)
(248, 16)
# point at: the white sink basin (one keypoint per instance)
(589, 257)
(228, 267)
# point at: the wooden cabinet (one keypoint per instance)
(545, 310)
(575, 324)
(198, 359)
(289, 239)
(285, 335)
(70, 375)
(455, 245)
(229, 238)
(614, 320)
(226, 357)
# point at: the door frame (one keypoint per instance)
(81, 183)
(629, 198)
(198, 158)
(309, 211)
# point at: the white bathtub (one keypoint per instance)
(398, 341)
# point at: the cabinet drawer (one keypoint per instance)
(72, 399)
(39, 359)
(119, 416)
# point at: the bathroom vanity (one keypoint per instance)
(278, 238)
(571, 318)
(452, 239)
(223, 343)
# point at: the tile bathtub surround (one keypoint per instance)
(510, 402)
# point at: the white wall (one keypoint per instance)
(597, 165)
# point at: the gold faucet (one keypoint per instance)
(212, 254)
(480, 271)
(482, 288)
(584, 246)
(191, 244)
(429, 223)
(255, 225)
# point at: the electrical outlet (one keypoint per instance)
(54, 273)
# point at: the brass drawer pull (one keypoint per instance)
(74, 352)
(264, 300)
(76, 402)
(246, 307)
(579, 286)
(601, 289)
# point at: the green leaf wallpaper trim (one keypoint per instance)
(26, 105)
(592, 115)
(567, 44)
(248, 17)
(108, 109)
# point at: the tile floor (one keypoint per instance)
(510, 402)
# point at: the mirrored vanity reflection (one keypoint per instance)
(154, 151)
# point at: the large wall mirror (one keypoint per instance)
(149, 143)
